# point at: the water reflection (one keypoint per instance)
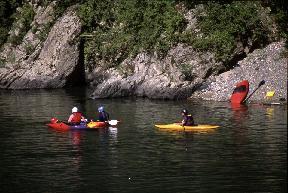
(113, 133)
(248, 153)
(76, 138)
(108, 135)
(240, 112)
(270, 113)
(240, 129)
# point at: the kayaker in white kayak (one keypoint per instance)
(76, 117)
(187, 118)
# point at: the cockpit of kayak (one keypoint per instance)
(62, 126)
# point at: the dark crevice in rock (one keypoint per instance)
(77, 77)
(208, 73)
(233, 62)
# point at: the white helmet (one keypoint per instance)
(74, 110)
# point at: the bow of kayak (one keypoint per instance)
(97, 124)
(178, 127)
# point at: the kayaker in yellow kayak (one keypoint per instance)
(187, 118)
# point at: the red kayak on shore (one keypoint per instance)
(240, 92)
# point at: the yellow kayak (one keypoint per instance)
(178, 127)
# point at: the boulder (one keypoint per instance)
(174, 77)
(49, 63)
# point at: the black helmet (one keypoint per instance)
(185, 111)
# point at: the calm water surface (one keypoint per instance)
(248, 153)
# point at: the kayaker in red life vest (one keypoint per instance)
(103, 116)
(76, 117)
(187, 118)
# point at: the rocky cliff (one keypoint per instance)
(146, 76)
(176, 76)
(41, 61)
(50, 56)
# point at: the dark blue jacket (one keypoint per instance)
(103, 116)
(188, 120)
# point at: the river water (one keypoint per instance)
(248, 153)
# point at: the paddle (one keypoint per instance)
(260, 84)
(183, 127)
(113, 122)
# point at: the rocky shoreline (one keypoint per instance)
(266, 64)
(148, 80)
(148, 76)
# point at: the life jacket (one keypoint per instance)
(189, 121)
(76, 118)
(103, 116)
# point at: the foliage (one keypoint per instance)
(29, 48)
(11, 58)
(186, 70)
(7, 8)
(2, 62)
(238, 21)
(44, 31)
(124, 28)
(279, 10)
(24, 18)
(62, 5)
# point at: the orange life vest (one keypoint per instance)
(77, 117)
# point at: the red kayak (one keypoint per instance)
(55, 124)
(240, 92)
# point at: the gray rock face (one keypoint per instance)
(267, 64)
(174, 77)
(50, 63)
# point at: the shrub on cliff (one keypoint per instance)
(224, 24)
(123, 28)
(7, 9)
(23, 18)
(126, 27)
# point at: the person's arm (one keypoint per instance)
(83, 119)
(70, 118)
(184, 121)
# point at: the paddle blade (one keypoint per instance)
(270, 93)
(113, 122)
(261, 83)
